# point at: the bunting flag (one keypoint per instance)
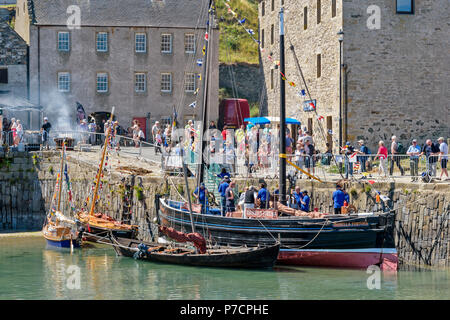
(204, 50)
(320, 118)
(196, 91)
(283, 77)
(312, 105)
(206, 36)
(193, 104)
(250, 31)
(242, 21)
(330, 132)
(199, 76)
(292, 84)
(199, 62)
(371, 181)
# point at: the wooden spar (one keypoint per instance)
(99, 174)
(60, 176)
(188, 194)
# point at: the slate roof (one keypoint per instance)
(137, 13)
(13, 49)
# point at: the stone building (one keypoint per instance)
(141, 56)
(395, 72)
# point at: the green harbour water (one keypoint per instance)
(28, 270)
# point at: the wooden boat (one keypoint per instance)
(223, 257)
(355, 240)
(58, 230)
(60, 236)
(98, 225)
(316, 239)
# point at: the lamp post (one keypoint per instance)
(341, 39)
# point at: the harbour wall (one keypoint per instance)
(27, 181)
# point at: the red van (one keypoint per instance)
(232, 113)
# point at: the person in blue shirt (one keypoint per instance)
(338, 199)
(201, 194)
(263, 196)
(305, 200)
(297, 198)
(413, 153)
(222, 189)
(223, 173)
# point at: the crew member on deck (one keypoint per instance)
(305, 200)
(297, 197)
(263, 196)
(201, 194)
(222, 188)
(338, 198)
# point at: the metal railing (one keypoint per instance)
(257, 163)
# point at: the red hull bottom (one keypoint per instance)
(386, 259)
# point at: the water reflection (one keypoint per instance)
(30, 271)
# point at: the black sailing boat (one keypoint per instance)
(199, 255)
(354, 240)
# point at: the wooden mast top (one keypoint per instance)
(99, 173)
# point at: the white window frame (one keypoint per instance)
(63, 41)
(189, 80)
(164, 43)
(140, 82)
(140, 42)
(99, 43)
(188, 42)
(164, 82)
(102, 74)
(61, 81)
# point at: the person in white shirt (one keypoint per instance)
(155, 129)
(443, 156)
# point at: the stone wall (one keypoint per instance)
(422, 233)
(395, 77)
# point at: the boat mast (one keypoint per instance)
(282, 112)
(201, 165)
(60, 175)
(99, 174)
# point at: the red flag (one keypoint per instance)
(312, 105)
(206, 36)
(371, 181)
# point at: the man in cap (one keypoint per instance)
(201, 194)
(443, 156)
(45, 131)
(413, 152)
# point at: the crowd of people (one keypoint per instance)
(262, 198)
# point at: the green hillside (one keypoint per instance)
(236, 45)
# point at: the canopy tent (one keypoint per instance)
(267, 120)
(12, 106)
